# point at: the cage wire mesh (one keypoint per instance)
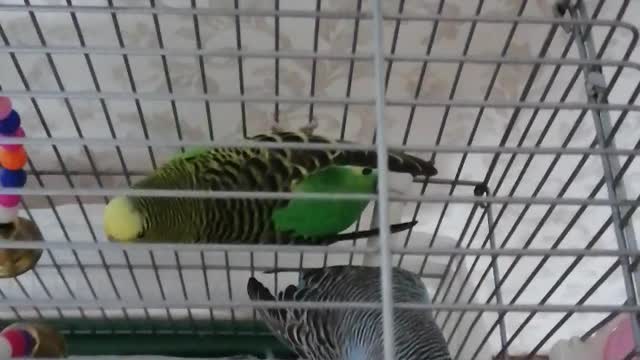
(527, 107)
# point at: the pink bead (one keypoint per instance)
(13, 147)
(9, 200)
(5, 107)
(17, 342)
(620, 342)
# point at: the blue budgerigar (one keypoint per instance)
(350, 333)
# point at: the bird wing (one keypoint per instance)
(398, 161)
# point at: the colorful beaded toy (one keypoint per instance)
(13, 158)
(16, 343)
(32, 340)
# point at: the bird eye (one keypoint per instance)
(367, 171)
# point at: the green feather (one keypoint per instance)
(314, 217)
(190, 153)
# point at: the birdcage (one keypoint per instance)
(528, 108)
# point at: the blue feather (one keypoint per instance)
(356, 352)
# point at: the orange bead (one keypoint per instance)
(13, 160)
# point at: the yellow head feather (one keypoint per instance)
(122, 222)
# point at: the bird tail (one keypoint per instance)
(258, 292)
(394, 228)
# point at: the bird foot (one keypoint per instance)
(307, 129)
(310, 127)
(275, 126)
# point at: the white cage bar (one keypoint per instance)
(525, 237)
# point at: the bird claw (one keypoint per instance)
(310, 127)
(276, 127)
(307, 129)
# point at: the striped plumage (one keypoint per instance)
(351, 334)
(242, 169)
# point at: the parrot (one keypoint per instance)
(15, 262)
(350, 333)
(254, 221)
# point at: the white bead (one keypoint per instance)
(5, 348)
(8, 215)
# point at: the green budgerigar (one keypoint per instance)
(294, 221)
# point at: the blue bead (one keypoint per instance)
(13, 178)
(9, 125)
(29, 342)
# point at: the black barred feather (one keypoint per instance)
(246, 169)
(350, 334)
